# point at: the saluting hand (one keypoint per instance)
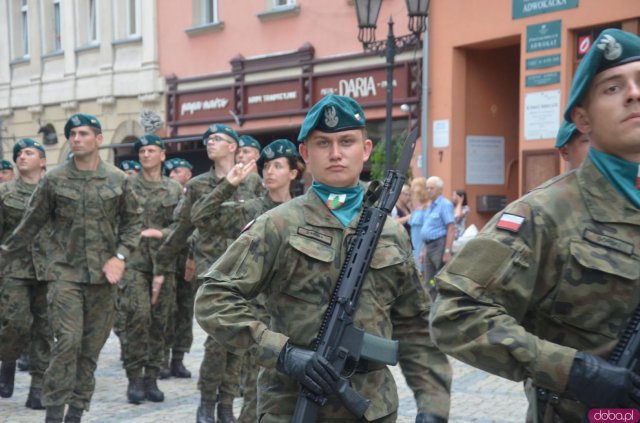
(239, 172)
(113, 269)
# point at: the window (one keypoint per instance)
(209, 11)
(280, 3)
(92, 34)
(24, 27)
(133, 17)
(57, 38)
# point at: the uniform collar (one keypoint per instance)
(100, 172)
(604, 202)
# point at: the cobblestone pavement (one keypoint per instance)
(477, 396)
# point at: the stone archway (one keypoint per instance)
(126, 133)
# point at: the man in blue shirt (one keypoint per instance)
(438, 231)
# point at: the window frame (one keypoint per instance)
(24, 28)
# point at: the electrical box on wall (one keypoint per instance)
(490, 203)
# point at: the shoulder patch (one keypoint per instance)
(247, 226)
(510, 222)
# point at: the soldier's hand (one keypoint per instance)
(151, 233)
(239, 172)
(113, 269)
(189, 270)
(429, 418)
(598, 384)
(309, 368)
(156, 286)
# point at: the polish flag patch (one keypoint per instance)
(510, 222)
(638, 179)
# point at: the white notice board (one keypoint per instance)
(485, 160)
(541, 115)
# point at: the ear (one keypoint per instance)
(304, 153)
(564, 153)
(368, 147)
(163, 156)
(581, 119)
(99, 139)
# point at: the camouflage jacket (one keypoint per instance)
(520, 303)
(14, 196)
(209, 246)
(293, 255)
(158, 200)
(92, 215)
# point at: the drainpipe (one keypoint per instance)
(424, 123)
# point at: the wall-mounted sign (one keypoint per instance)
(441, 133)
(543, 36)
(526, 8)
(540, 79)
(541, 115)
(485, 160)
(265, 98)
(543, 61)
(209, 104)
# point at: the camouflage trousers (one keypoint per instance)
(81, 316)
(180, 330)
(275, 418)
(250, 369)
(24, 324)
(219, 371)
(142, 326)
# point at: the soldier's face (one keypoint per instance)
(84, 141)
(150, 156)
(246, 154)
(277, 174)
(610, 114)
(29, 160)
(336, 159)
(220, 146)
(6, 175)
(181, 175)
(575, 151)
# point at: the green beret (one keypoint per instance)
(80, 119)
(219, 128)
(27, 143)
(276, 149)
(566, 131)
(249, 141)
(612, 48)
(334, 113)
(130, 165)
(5, 164)
(149, 139)
(176, 163)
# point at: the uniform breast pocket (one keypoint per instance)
(598, 289)
(108, 199)
(67, 202)
(386, 273)
(311, 270)
(14, 209)
(168, 206)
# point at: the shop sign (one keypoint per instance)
(273, 97)
(543, 36)
(540, 79)
(210, 104)
(543, 62)
(526, 8)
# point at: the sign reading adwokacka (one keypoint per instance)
(543, 36)
(525, 8)
(540, 79)
(543, 61)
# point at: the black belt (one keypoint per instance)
(433, 240)
(366, 366)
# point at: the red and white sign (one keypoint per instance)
(584, 44)
(510, 222)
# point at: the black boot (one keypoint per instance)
(23, 362)
(225, 413)
(54, 414)
(178, 370)
(151, 391)
(34, 400)
(206, 412)
(7, 378)
(74, 415)
(135, 390)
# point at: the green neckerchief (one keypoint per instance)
(343, 203)
(623, 175)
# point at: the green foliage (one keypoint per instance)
(378, 155)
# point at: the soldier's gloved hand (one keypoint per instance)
(598, 384)
(309, 368)
(429, 418)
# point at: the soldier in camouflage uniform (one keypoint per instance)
(279, 165)
(23, 299)
(572, 144)
(248, 150)
(219, 372)
(179, 336)
(146, 323)
(545, 290)
(6, 171)
(130, 167)
(293, 255)
(94, 222)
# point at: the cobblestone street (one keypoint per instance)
(477, 396)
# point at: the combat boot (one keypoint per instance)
(23, 362)
(225, 413)
(54, 414)
(151, 391)
(7, 378)
(178, 370)
(206, 412)
(135, 390)
(74, 415)
(34, 399)
(165, 370)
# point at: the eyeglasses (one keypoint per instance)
(218, 138)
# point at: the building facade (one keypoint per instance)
(59, 57)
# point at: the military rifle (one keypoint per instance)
(339, 341)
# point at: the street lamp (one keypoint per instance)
(367, 11)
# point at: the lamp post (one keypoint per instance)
(367, 12)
